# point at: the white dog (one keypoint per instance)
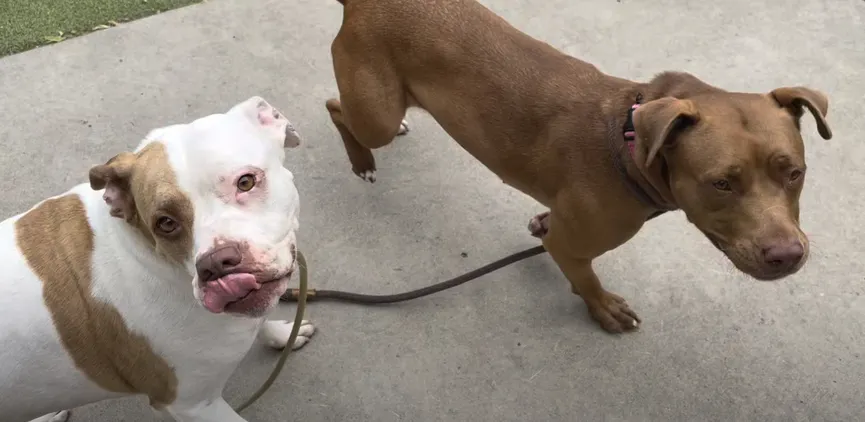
(155, 278)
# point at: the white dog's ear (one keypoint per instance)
(114, 176)
(269, 118)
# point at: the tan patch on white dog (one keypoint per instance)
(57, 242)
(142, 189)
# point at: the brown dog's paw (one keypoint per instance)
(368, 175)
(403, 128)
(539, 224)
(613, 313)
(363, 165)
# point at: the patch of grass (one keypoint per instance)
(26, 24)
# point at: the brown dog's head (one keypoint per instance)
(735, 164)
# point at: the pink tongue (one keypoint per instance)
(222, 291)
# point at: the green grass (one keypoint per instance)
(26, 24)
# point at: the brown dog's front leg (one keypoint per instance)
(609, 309)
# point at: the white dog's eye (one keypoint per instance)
(246, 182)
(166, 225)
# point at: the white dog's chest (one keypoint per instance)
(201, 347)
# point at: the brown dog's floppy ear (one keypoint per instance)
(793, 98)
(657, 124)
(114, 176)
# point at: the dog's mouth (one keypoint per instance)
(716, 241)
(724, 247)
(753, 269)
(243, 292)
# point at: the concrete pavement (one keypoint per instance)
(514, 345)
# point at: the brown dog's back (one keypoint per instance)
(492, 88)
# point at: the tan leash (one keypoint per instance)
(365, 299)
(301, 294)
(298, 319)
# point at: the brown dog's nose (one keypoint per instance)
(784, 255)
(218, 262)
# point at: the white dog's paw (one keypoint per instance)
(368, 175)
(276, 332)
(403, 128)
(54, 417)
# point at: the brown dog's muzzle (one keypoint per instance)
(766, 260)
(782, 257)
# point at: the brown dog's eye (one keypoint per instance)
(246, 182)
(722, 185)
(166, 225)
(795, 175)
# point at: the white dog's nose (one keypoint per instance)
(219, 261)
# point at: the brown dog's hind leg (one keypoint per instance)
(609, 309)
(370, 111)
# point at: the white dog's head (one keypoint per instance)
(213, 196)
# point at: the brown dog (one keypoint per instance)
(604, 154)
